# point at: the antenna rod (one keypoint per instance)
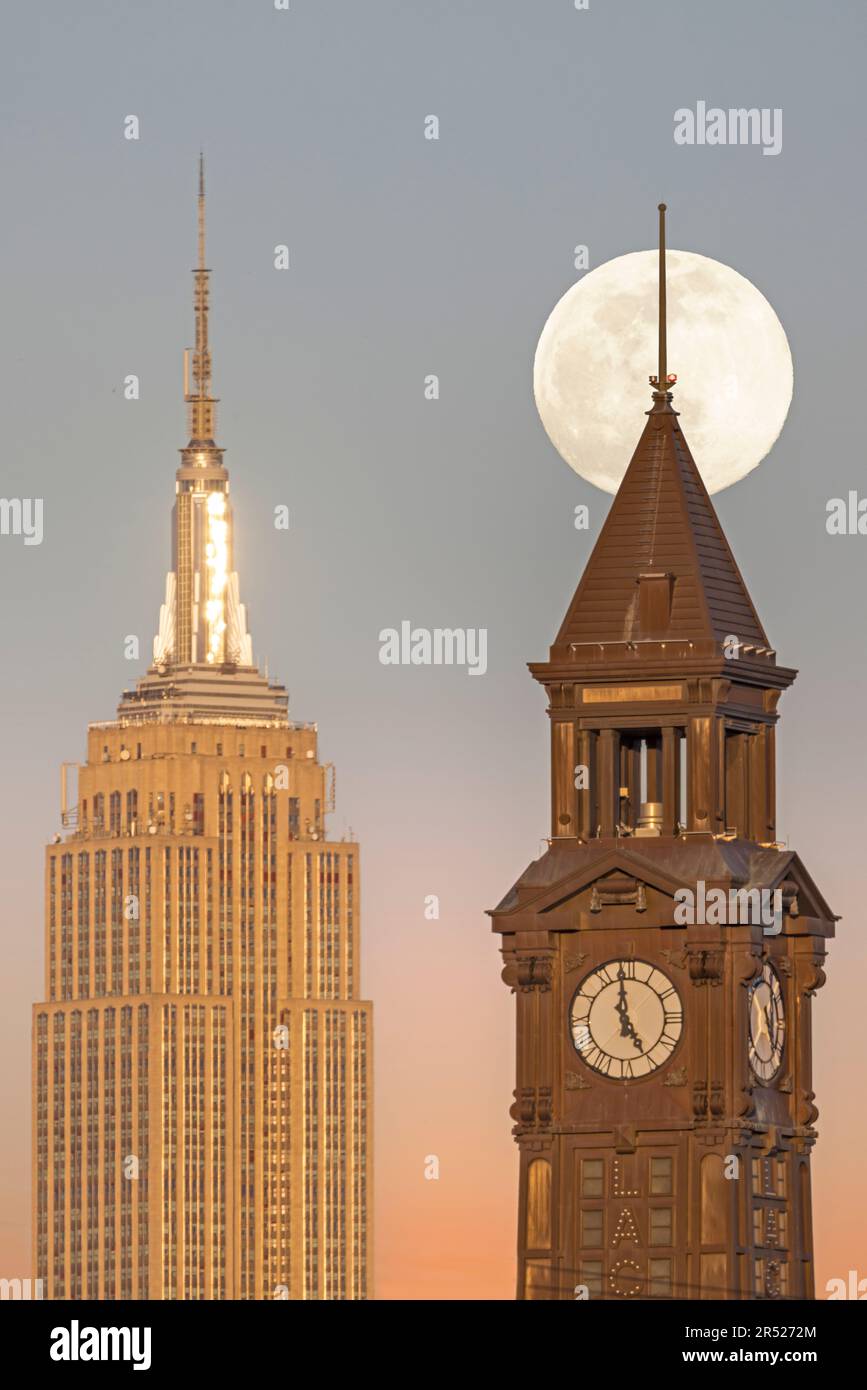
(663, 364)
(201, 361)
(201, 211)
(201, 401)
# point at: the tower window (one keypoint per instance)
(769, 1226)
(591, 1227)
(654, 603)
(660, 1278)
(264, 750)
(771, 1278)
(192, 747)
(590, 1274)
(539, 1204)
(660, 1226)
(737, 781)
(592, 1172)
(769, 1177)
(661, 1177)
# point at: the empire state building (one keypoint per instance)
(202, 1117)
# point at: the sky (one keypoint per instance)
(410, 257)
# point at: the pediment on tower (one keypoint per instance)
(645, 875)
(799, 890)
(601, 876)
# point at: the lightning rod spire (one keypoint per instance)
(662, 383)
(663, 365)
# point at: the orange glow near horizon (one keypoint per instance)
(444, 1072)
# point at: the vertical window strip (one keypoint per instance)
(60, 1174)
(83, 925)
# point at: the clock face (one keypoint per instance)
(767, 1024)
(626, 1019)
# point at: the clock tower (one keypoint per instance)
(665, 949)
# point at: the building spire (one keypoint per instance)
(202, 622)
(201, 210)
(663, 365)
(200, 400)
(662, 383)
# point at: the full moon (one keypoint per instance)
(725, 343)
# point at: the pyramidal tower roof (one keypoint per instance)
(662, 527)
(661, 569)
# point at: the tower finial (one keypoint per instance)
(662, 383)
(663, 365)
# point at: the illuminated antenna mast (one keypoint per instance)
(200, 400)
(663, 382)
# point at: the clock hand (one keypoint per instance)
(621, 1006)
(761, 1019)
(627, 1027)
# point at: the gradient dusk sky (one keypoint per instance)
(410, 257)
